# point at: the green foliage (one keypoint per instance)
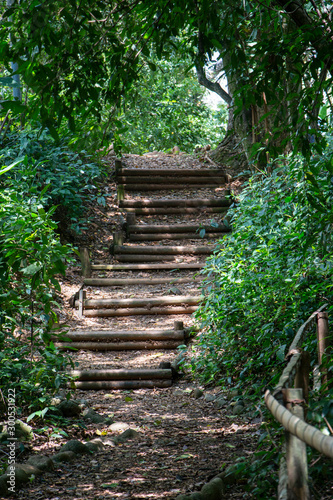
(271, 273)
(64, 177)
(169, 110)
(31, 258)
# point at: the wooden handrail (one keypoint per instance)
(293, 483)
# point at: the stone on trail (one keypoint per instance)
(93, 417)
(233, 393)
(196, 495)
(220, 402)
(69, 408)
(95, 445)
(214, 490)
(238, 409)
(64, 456)
(118, 426)
(197, 393)
(209, 397)
(126, 436)
(75, 446)
(179, 392)
(23, 432)
(23, 473)
(41, 462)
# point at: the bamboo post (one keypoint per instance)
(323, 339)
(120, 192)
(178, 325)
(118, 167)
(118, 238)
(302, 377)
(130, 221)
(297, 466)
(82, 297)
(85, 262)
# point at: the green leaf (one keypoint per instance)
(12, 165)
(14, 106)
(32, 269)
(280, 353)
(184, 457)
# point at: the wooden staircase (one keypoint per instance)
(131, 255)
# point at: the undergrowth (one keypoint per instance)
(38, 177)
(262, 283)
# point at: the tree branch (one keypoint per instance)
(214, 87)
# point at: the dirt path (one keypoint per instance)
(184, 437)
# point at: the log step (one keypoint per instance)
(122, 379)
(175, 228)
(105, 313)
(179, 203)
(173, 236)
(145, 258)
(120, 346)
(157, 301)
(138, 281)
(123, 374)
(121, 384)
(148, 180)
(107, 335)
(163, 250)
(168, 187)
(146, 267)
(175, 211)
(170, 172)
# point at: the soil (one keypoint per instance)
(182, 441)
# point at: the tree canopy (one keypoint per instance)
(76, 57)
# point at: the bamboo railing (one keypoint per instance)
(286, 405)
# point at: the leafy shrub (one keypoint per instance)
(271, 273)
(70, 176)
(31, 258)
(262, 283)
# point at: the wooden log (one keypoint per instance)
(177, 211)
(118, 166)
(173, 236)
(158, 179)
(168, 187)
(138, 281)
(85, 262)
(96, 336)
(120, 346)
(146, 267)
(302, 377)
(324, 344)
(121, 384)
(297, 465)
(178, 203)
(130, 219)
(164, 249)
(120, 193)
(178, 326)
(118, 238)
(122, 374)
(105, 313)
(173, 172)
(80, 306)
(157, 301)
(144, 258)
(174, 228)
